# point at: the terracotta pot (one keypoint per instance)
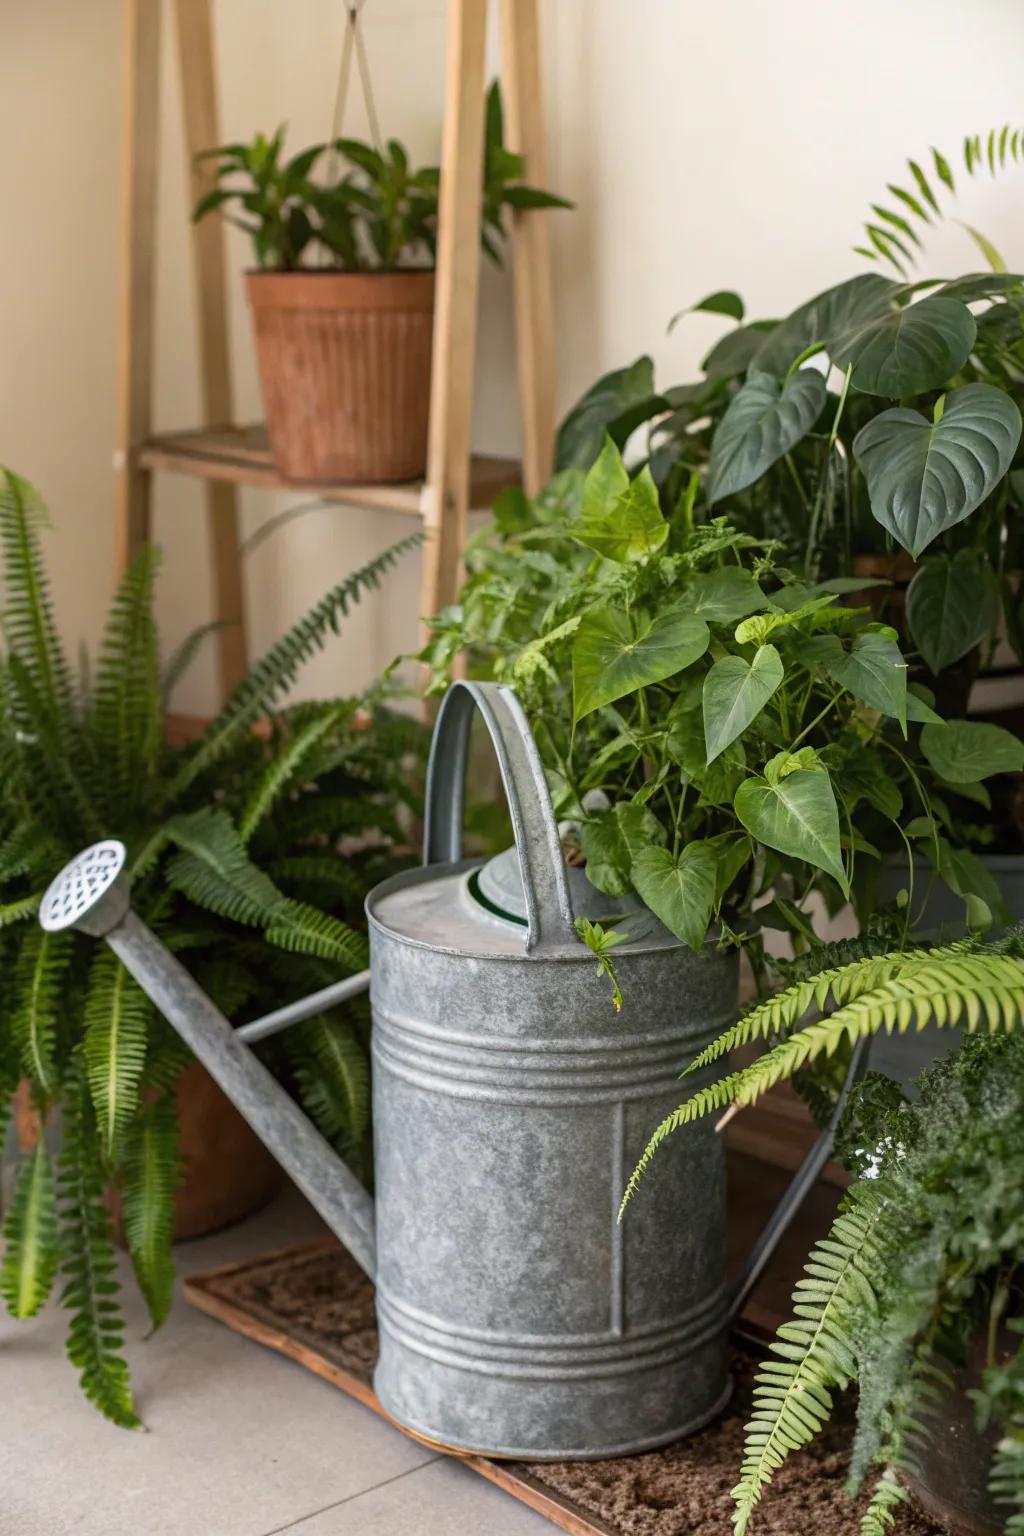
(344, 360)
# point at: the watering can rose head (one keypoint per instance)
(756, 735)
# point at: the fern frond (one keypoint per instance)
(30, 1236)
(116, 1017)
(302, 930)
(28, 620)
(880, 1515)
(151, 1175)
(43, 962)
(325, 871)
(127, 718)
(275, 673)
(1006, 1482)
(12, 912)
(182, 659)
(28, 850)
(335, 1083)
(283, 769)
(793, 1393)
(95, 1335)
(214, 870)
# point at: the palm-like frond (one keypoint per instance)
(95, 1336)
(150, 1177)
(116, 1016)
(275, 673)
(952, 986)
(127, 717)
(793, 1394)
(40, 975)
(281, 772)
(30, 1236)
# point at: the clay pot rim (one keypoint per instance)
(327, 289)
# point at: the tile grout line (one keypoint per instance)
(337, 1504)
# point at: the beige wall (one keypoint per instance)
(731, 143)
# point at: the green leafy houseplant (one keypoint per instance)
(916, 1294)
(720, 731)
(379, 214)
(233, 854)
(909, 442)
(343, 294)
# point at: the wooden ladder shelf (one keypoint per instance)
(227, 456)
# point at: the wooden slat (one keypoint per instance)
(138, 261)
(202, 131)
(446, 495)
(241, 456)
(531, 254)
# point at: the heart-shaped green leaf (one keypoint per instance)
(619, 518)
(963, 751)
(796, 816)
(615, 406)
(925, 476)
(681, 892)
(610, 839)
(722, 302)
(827, 315)
(908, 350)
(873, 669)
(725, 595)
(614, 654)
(952, 604)
(732, 355)
(764, 421)
(735, 692)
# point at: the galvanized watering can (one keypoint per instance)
(517, 1317)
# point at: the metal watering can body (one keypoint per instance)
(516, 1315)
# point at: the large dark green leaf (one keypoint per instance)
(873, 669)
(735, 692)
(734, 352)
(908, 350)
(681, 892)
(964, 751)
(619, 518)
(615, 406)
(610, 840)
(726, 595)
(836, 310)
(764, 421)
(722, 302)
(796, 815)
(925, 476)
(980, 285)
(952, 604)
(614, 654)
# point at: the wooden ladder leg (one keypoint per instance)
(202, 131)
(531, 257)
(138, 261)
(447, 491)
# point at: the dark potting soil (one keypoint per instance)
(314, 1304)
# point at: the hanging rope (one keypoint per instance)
(355, 43)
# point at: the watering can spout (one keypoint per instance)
(92, 895)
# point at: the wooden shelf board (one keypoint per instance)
(241, 455)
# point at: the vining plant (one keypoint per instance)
(233, 852)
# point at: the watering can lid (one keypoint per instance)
(498, 886)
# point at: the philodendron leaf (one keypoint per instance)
(908, 350)
(873, 669)
(797, 816)
(952, 604)
(735, 692)
(732, 355)
(609, 841)
(926, 476)
(614, 655)
(827, 315)
(725, 595)
(615, 406)
(619, 518)
(963, 751)
(680, 892)
(723, 302)
(765, 420)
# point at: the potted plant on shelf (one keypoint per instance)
(342, 294)
(916, 1293)
(721, 736)
(234, 847)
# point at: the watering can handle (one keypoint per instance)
(548, 905)
(796, 1192)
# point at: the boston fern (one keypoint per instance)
(920, 1277)
(233, 853)
(721, 731)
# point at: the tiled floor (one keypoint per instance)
(240, 1441)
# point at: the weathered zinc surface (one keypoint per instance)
(510, 1104)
